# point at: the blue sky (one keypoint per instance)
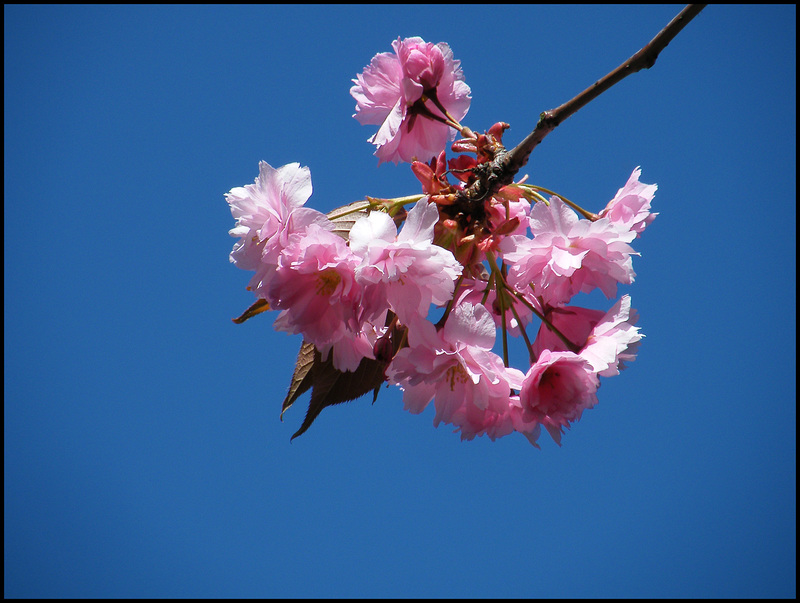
(143, 454)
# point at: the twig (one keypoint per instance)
(506, 164)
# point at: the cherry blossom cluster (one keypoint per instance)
(424, 283)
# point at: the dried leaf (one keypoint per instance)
(332, 386)
(303, 375)
(261, 305)
(344, 217)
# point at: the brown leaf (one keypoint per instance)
(332, 386)
(261, 305)
(303, 375)
(344, 217)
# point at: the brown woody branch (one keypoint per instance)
(504, 167)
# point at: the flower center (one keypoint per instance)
(456, 374)
(327, 282)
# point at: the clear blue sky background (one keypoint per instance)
(143, 452)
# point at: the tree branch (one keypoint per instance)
(506, 164)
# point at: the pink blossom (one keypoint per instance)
(630, 207)
(556, 390)
(477, 291)
(368, 294)
(573, 322)
(473, 421)
(394, 92)
(606, 339)
(314, 284)
(456, 366)
(266, 213)
(614, 340)
(405, 271)
(509, 216)
(568, 255)
(352, 348)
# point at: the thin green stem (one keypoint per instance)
(449, 307)
(489, 285)
(493, 262)
(533, 195)
(586, 214)
(501, 301)
(391, 205)
(524, 334)
(571, 346)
